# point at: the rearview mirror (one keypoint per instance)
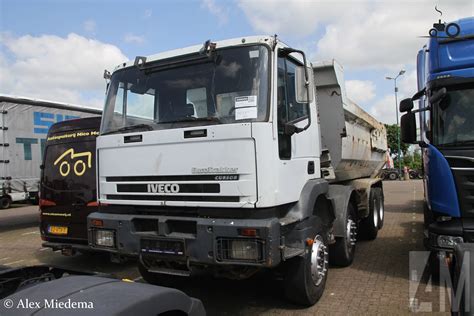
(408, 128)
(406, 105)
(302, 87)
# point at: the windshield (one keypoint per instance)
(228, 87)
(454, 117)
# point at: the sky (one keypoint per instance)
(58, 50)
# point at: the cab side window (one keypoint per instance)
(288, 109)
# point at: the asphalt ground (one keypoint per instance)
(376, 283)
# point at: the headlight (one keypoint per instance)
(244, 250)
(104, 238)
(445, 241)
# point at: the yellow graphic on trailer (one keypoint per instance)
(79, 167)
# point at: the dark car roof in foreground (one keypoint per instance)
(106, 296)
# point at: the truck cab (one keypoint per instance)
(211, 159)
(445, 68)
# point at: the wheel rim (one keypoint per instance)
(319, 260)
(375, 213)
(381, 210)
(351, 233)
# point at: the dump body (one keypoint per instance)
(25, 123)
(354, 142)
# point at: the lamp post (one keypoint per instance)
(399, 154)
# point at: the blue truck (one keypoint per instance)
(445, 68)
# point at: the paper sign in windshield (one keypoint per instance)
(246, 101)
(246, 113)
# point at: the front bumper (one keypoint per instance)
(205, 239)
(456, 227)
(65, 246)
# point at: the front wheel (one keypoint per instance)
(393, 176)
(306, 275)
(5, 202)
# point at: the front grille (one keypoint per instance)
(192, 198)
(465, 187)
(204, 177)
(463, 171)
(183, 188)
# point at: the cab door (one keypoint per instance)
(298, 154)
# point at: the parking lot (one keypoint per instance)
(376, 283)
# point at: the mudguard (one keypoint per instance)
(305, 206)
(340, 196)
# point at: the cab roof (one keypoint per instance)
(262, 39)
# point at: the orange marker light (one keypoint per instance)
(249, 232)
(309, 242)
(43, 202)
(97, 222)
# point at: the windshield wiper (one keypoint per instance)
(130, 128)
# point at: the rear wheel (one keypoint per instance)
(342, 252)
(393, 176)
(5, 202)
(369, 226)
(306, 275)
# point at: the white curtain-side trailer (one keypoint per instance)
(24, 126)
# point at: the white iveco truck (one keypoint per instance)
(234, 156)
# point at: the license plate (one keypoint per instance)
(166, 247)
(57, 230)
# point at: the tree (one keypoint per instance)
(412, 161)
(392, 141)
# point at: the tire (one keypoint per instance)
(369, 226)
(5, 202)
(392, 176)
(342, 252)
(413, 175)
(300, 285)
(438, 267)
